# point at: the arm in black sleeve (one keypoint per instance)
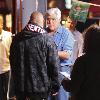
(53, 65)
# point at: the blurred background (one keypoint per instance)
(16, 12)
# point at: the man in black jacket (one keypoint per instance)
(34, 61)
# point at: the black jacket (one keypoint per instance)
(34, 61)
(85, 78)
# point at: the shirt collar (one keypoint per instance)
(59, 29)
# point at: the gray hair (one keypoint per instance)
(54, 11)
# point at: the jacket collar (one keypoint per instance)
(34, 28)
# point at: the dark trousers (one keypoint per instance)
(29, 96)
(11, 87)
(4, 78)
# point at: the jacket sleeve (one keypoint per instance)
(77, 76)
(13, 55)
(53, 65)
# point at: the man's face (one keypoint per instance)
(52, 23)
(68, 23)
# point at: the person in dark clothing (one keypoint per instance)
(85, 76)
(34, 61)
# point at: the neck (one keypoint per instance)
(72, 29)
(51, 33)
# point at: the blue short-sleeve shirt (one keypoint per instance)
(65, 42)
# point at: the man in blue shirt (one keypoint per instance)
(64, 40)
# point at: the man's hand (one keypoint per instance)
(54, 94)
(66, 84)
